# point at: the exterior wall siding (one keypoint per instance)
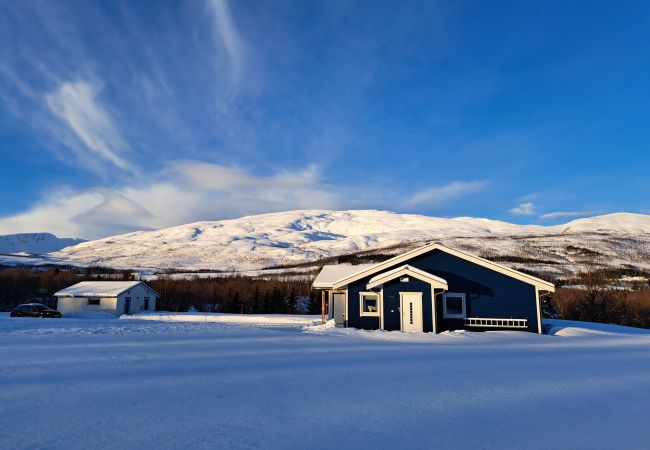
(392, 290)
(75, 305)
(114, 305)
(354, 318)
(487, 293)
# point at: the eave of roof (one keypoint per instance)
(538, 283)
(435, 281)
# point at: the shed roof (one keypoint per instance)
(99, 288)
(329, 274)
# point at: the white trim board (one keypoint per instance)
(362, 313)
(538, 283)
(434, 281)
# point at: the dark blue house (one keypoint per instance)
(432, 289)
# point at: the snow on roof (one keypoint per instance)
(329, 274)
(97, 289)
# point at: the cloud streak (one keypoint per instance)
(440, 195)
(76, 105)
(568, 215)
(227, 37)
(185, 192)
(524, 209)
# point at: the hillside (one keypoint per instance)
(34, 243)
(298, 237)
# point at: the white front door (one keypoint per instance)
(338, 308)
(411, 310)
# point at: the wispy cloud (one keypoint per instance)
(216, 177)
(77, 106)
(184, 192)
(227, 37)
(439, 195)
(524, 209)
(568, 214)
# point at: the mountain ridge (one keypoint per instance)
(35, 243)
(296, 237)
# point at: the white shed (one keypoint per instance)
(117, 297)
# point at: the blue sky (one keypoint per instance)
(117, 116)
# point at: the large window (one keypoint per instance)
(453, 305)
(369, 304)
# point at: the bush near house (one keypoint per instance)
(630, 308)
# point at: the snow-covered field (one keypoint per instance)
(258, 320)
(107, 383)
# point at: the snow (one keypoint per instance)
(26, 243)
(331, 273)
(298, 237)
(576, 328)
(170, 384)
(280, 241)
(265, 320)
(97, 289)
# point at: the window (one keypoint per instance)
(453, 305)
(369, 304)
(93, 301)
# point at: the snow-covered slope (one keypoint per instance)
(295, 237)
(624, 223)
(34, 243)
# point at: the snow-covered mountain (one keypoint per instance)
(34, 243)
(295, 237)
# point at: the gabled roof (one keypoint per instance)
(99, 289)
(329, 274)
(538, 283)
(434, 281)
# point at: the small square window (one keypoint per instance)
(93, 302)
(453, 305)
(369, 304)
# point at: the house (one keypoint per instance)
(433, 289)
(117, 297)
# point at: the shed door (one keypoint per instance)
(338, 304)
(127, 305)
(411, 310)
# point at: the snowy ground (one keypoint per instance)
(107, 383)
(257, 320)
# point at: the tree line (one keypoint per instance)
(231, 294)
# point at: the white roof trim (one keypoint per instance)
(434, 281)
(538, 283)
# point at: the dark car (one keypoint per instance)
(34, 310)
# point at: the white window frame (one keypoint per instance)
(447, 315)
(363, 313)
